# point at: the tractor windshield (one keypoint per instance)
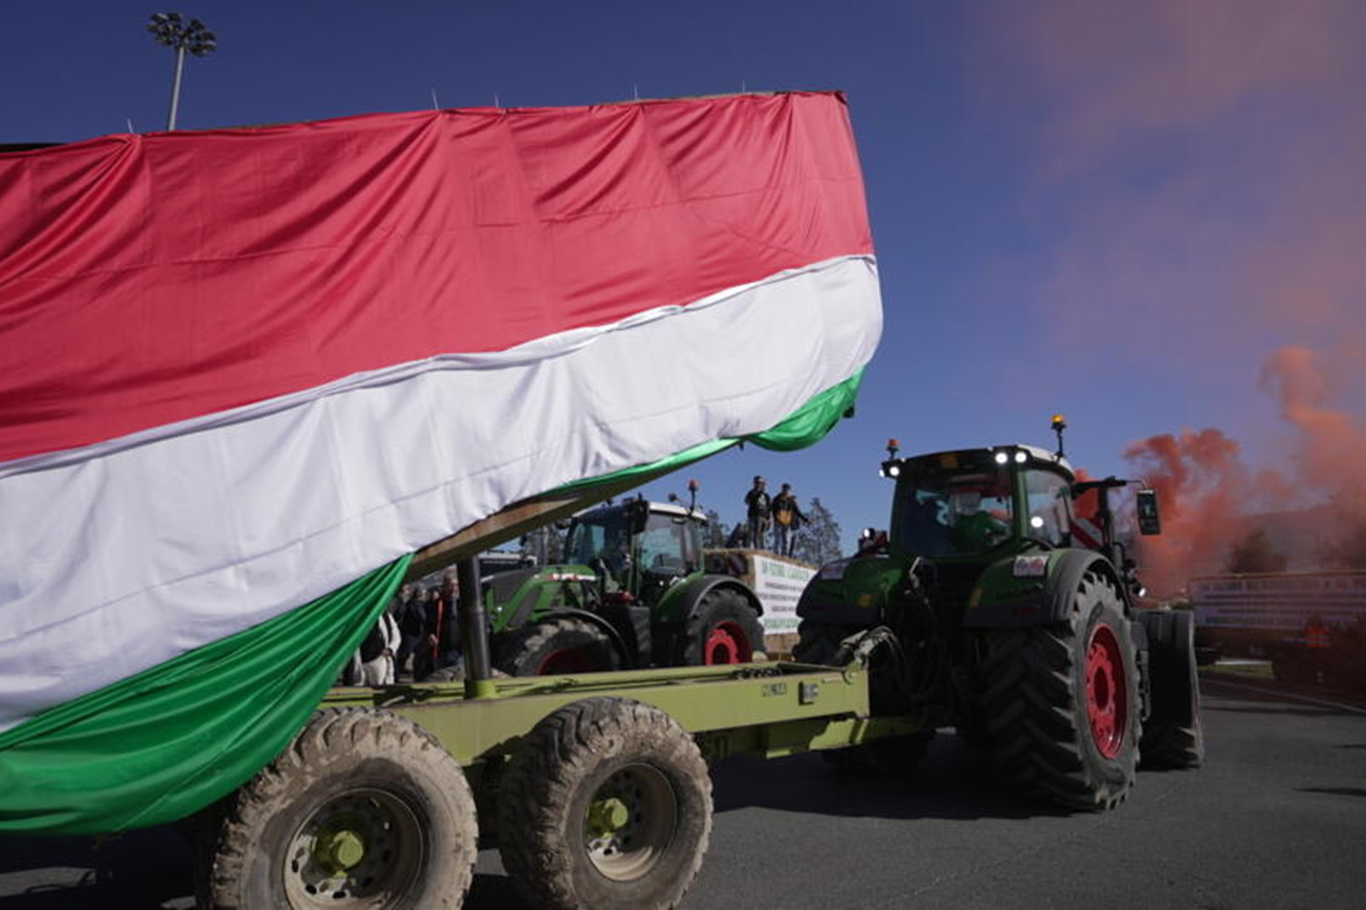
(669, 545)
(602, 534)
(948, 514)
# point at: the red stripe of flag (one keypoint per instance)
(146, 280)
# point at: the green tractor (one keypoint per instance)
(989, 607)
(631, 593)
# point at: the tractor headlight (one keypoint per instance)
(1021, 457)
(1002, 458)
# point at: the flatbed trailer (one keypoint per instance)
(765, 710)
(594, 787)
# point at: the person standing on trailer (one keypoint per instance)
(787, 518)
(759, 509)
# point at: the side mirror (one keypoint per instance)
(1149, 522)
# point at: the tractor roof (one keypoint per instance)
(1036, 455)
(659, 508)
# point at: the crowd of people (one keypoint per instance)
(780, 515)
(416, 634)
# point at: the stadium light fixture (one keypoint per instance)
(172, 30)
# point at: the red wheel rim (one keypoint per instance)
(1107, 691)
(727, 644)
(567, 660)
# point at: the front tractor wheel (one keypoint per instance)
(724, 629)
(1173, 737)
(364, 809)
(555, 647)
(606, 804)
(1061, 702)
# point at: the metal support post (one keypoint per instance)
(474, 631)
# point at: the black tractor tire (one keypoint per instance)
(607, 803)
(1173, 736)
(555, 646)
(819, 642)
(1061, 702)
(723, 629)
(896, 756)
(364, 805)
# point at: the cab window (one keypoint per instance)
(665, 545)
(953, 514)
(1050, 507)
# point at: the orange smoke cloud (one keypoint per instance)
(1332, 452)
(1202, 487)
(1206, 491)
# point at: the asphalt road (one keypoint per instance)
(1277, 818)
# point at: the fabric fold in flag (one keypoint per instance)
(166, 742)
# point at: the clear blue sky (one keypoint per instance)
(1113, 210)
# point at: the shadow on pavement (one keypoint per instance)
(1333, 791)
(493, 890)
(147, 868)
(953, 782)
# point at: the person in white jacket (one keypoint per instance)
(373, 664)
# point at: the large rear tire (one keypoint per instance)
(1061, 702)
(819, 642)
(364, 809)
(1173, 737)
(606, 804)
(554, 647)
(723, 629)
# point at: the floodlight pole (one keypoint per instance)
(172, 30)
(175, 87)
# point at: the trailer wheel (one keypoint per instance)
(723, 629)
(364, 809)
(1062, 704)
(554, 647)
(1173, 736)
(606, 804)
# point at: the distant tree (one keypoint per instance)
(715, 533)
(819, 539)
(1348, 549)
(1254, 554)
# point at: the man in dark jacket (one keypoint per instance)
(440, 642)
(758, 510)
(412, 621)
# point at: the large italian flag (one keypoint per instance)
(244, 374)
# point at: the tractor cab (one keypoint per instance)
(637, 545)
(977, 502)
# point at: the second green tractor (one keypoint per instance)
(632, 591)
(991, 606)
